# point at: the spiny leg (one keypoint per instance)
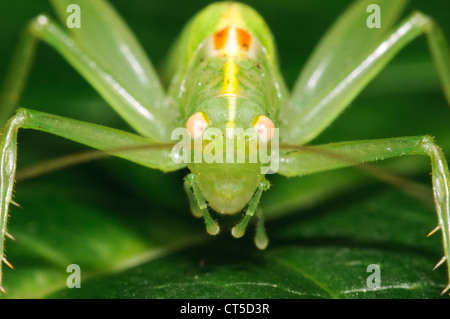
(327, 86)
(198, 205)
(337, 155)
(108, 56)
(238, 231)
(96, 136)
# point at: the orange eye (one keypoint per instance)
(196, 124)
(264, 127)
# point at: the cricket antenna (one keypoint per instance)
(69, 160)
(405, 184)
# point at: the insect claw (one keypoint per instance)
(11, 236)
(433, 231)
(440, 262)
(445, 289)
(7, 263)
(16, 204)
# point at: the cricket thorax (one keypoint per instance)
(229, 64)
(232, 62)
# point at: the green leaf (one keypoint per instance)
(317, 254)
(130, 230)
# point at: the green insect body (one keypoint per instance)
(224, 75)
(232, 81)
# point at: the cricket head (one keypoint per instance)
(233, 145)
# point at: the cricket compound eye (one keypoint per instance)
(196, 124)
(264, 127)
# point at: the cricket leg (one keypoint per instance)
(198, 204)
(122, 144)
(327, 86)
(337, 155)
(238, 231)
(261, 239)
(108, 57)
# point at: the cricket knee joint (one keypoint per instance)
(429, 146)
(422, 21)
(439, 168)
(15, 122)
(38, 24)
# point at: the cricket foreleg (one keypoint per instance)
(122, 144)
(198, 204)
(332, 156)
(238, 231)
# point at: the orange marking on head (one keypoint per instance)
(244, 39)
(220, 38)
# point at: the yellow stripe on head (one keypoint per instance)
(230, 82)
(231, 116)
